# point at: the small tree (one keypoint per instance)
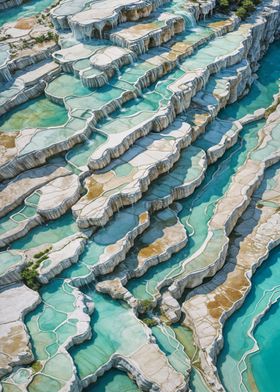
(224, 4)
(248, 5)
(241, 13)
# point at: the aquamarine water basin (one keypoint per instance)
(25, 10)
(108, 322)
(197, 211)
(113, 381)
(262, 90)
(48, 233)
(36, 113)
(241, 370)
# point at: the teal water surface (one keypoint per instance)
(240, 370)
(25, 10)
(35, 113)
(262, 90)
(113, 381)
(197, 211)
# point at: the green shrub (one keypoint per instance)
(36, 366)
(241, 13)
(248, 5)
(146, 305)
(224, 4)
(29, 275)
(149, 322)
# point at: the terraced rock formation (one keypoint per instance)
(139, 194)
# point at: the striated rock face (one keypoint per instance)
(97, 18)
(208, 306)
(15, 302)
(148, 34)
(229, 209)
(46, 203)
(142, 132)
(58, 195)
(5, 4)
(13, 193)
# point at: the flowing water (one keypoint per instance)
(115, 328)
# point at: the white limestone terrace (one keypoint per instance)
(129, 223)
(74, 55)
(124, 180)
(87, 18)
(165, 236)
(26, 84)
(150, 33)
(13, 192)
(228, 210)
(131, 81)
(185, 174)
(15, 302)
(180, 90)
(93, 64)
(217, 93)
(57, 368)
(127, 354)
(47, 202)
(220, 89)
(208, 307)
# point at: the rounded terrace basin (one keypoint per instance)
(66, 85)
(36, 113)
(113, 381)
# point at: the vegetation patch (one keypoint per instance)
(145, 305)
(150, 322)
(242, 8)
(36, 366)
(30, 274)
(50, 36)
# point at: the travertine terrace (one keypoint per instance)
(139, 195)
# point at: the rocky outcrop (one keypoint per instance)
(16, 301)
